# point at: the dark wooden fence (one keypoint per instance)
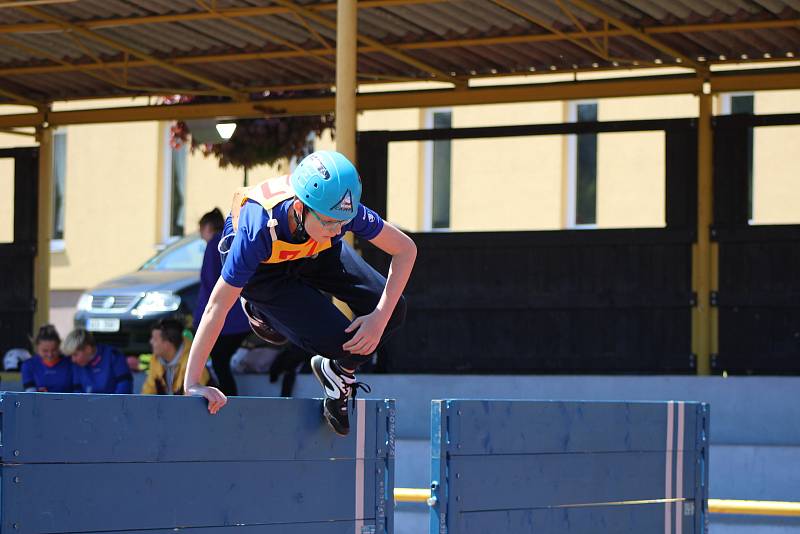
(759, 266)
(17, 302)
(573, 301)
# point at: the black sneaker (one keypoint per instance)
(260, 325)
(339, 385)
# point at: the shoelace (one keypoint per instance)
(352, 390)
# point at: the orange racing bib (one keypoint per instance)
(269, 194)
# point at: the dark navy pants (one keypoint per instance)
(294, 296)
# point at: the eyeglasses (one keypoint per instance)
(330, 225)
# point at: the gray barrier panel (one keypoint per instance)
(128, 463)
(579, 467)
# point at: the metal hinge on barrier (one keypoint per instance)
(713, 298)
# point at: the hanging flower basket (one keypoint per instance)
(256, 141)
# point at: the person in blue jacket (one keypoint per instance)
(96, 368)
(236, 327)
(285, 258)
(47, 370)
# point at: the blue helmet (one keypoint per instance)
(328, 183)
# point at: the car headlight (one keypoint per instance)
(85, 302)
(157, 302)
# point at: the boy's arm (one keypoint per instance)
(369, 328)
(223, 296)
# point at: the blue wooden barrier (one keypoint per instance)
(549, 467)
(130, 464)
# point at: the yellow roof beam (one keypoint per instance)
(576, 21)
(19, 3)
(486, 41)
(20, 99)
(574, 38)
(657, 85)
(265, 34)
(369, 101)
(374, 43)
(237, 12)
(642, 36)
(224, 89)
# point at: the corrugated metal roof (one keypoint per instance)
(45, 59)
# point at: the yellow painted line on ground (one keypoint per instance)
(715, 506)
(776, 508)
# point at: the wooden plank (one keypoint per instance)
(639, 518)
(521, 427)
(50, 498)
(507, 482)
(132, 428)
(327, 527)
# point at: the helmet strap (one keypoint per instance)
(300, 233)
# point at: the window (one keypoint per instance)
(59, 188)
(439, 173)
(174, 214)
(583, 169)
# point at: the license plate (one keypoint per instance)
(102, 325)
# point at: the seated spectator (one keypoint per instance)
(96, 368)
(47, 370)
(170, 356)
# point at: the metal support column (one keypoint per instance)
(346, 59)
(701, 251)
(41, 278)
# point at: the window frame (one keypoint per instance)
(58, 244)
(427, 219)
(572, 170)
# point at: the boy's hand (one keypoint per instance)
(216, 399)
(368, 331)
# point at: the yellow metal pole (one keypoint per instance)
(41, 274)
(346, 73)
(701, 250)
(346, 58)
(411, 494)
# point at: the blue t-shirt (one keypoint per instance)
(236, 322)
(108, 372)
(253, 242)
(37, 375)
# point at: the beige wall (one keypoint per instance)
(405, 165)
(6, 200)
(767, 102)
(647, 107)
(111, 192)
(208, 186)
(115, 177)
(631, 186)
(506, 184)
(776, 171)
(776, 175)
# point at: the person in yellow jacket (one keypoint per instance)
(170, 356)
